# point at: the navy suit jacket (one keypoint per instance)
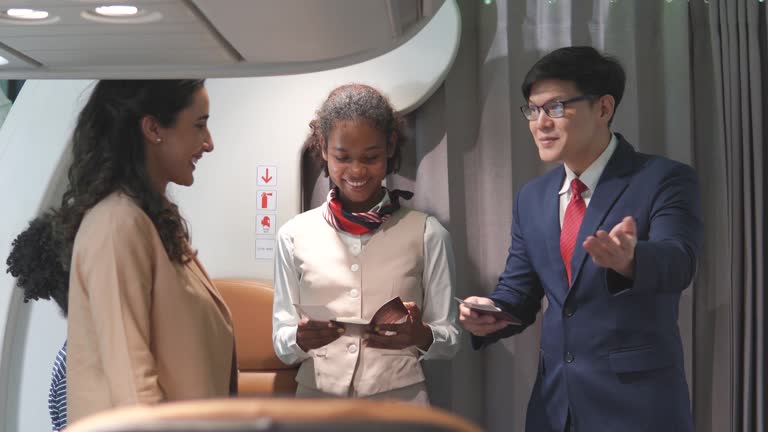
(610, 347)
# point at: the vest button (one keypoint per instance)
(569, 358)
(355, 249)
(354, 293)
(352, 348)
(355, 267)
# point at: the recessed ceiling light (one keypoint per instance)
(120, 14)
(117, 11)
(28, 14)
(3, 61)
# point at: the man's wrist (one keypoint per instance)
(628, 270)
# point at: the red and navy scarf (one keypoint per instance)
(361, 223)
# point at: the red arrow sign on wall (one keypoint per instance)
(266, 178)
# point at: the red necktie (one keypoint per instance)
(574, 214)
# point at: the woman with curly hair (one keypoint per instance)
(354, 253)
(35, 263)
(145, 322)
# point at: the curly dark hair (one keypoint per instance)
(357, 102)
(108, 155)
(35, 262)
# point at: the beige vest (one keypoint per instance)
(391, 264)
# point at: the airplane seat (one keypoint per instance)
(261, 372)
(275, 414)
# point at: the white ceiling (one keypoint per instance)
(206, 37)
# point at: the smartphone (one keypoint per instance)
(494, 311)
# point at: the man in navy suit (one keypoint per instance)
(611, 237)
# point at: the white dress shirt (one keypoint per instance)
(439, 309)
(589, 177)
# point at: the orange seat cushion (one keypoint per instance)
(261, 372)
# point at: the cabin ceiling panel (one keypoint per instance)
(205, 37)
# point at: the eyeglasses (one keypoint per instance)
(554, 109)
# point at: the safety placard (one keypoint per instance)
(265, 224)
(267, 175)
(266, 199)
(265, 248)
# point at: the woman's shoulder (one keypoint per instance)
(434, 231)
(115, 203)
(116, 213)
(409, 216)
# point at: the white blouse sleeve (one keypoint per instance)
(439, 308)
(284, 316)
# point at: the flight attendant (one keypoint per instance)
(355, 252)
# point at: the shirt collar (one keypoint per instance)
(592, 174)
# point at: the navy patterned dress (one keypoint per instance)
(57, 396)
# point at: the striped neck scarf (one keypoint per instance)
(362, 223)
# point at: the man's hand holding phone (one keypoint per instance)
(481, 317)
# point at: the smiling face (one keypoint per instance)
(356, 154)
(580, 135)
(181, 145)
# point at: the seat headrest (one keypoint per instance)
(276, 415)
(250, 302)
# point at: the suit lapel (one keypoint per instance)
(197, 269)
(611, 185)
(552, 230)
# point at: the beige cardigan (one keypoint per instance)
(141, 329)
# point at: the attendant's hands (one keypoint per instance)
(315, 334)
(476, 323)
(400, 336)
(615, 250)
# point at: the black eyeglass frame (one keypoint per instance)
(551, 106)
